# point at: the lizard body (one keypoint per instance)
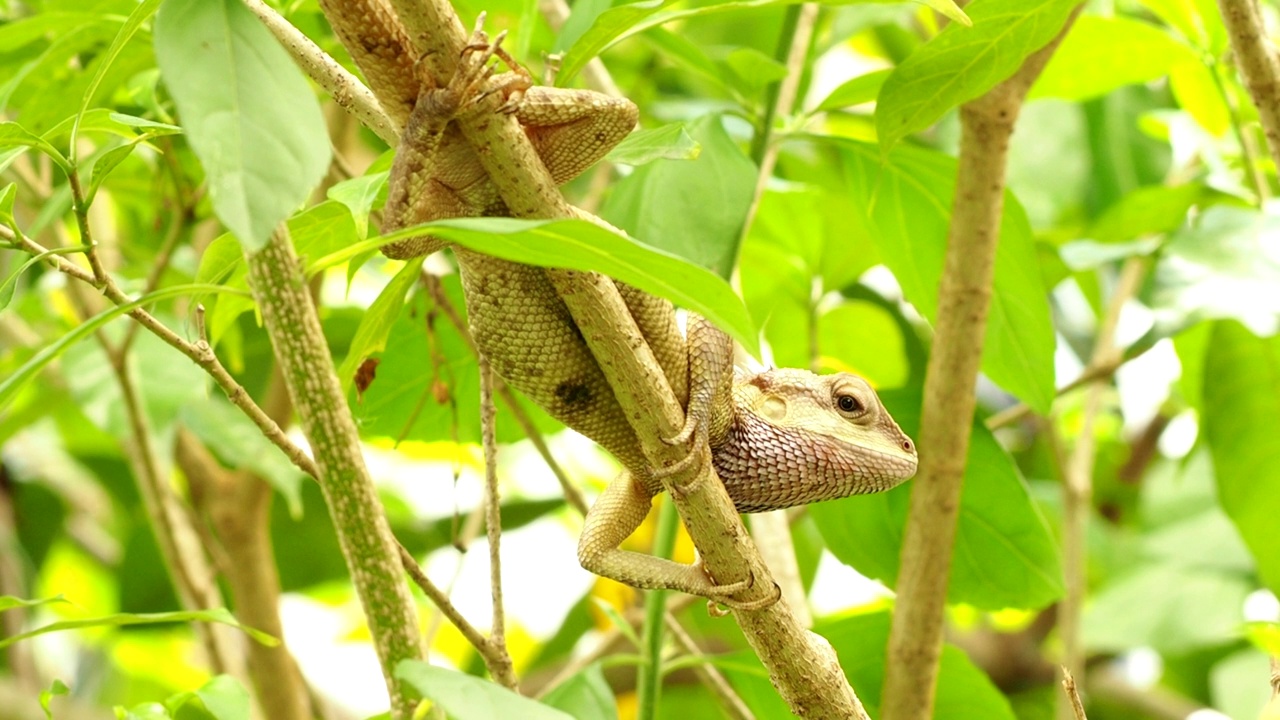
(778, 438)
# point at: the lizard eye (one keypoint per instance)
(848, 404)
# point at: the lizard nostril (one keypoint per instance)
(906, 445)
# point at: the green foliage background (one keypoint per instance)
(1139, 145)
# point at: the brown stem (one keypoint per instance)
(493, 522)
(1258, 65)
(964, 294)
(1072, 694)
(1077, 489)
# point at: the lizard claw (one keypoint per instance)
(720, 595)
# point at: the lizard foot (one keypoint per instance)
(721, 595)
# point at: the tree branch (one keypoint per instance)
(371, 553)
(1258, 65)
(964, 295)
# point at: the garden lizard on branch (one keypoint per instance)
(779, 438)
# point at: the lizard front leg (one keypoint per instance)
(626, 502)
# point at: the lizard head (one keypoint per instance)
(829, 435)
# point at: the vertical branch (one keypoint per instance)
(649, 670)
(371, 553)
(1077, 487)
(964, 296)
(1258, 65)
(493, 520)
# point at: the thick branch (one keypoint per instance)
(368, 547)
(964, 295)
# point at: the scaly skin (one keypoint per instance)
(779, 438)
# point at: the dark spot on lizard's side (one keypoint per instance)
(573, 394)
(600, 136)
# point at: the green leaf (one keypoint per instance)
(145, 711)
(859, 90)
(604, 31)
(1152, 210)
(1004, 554)
(248, 113)
(668, 142)
(239, 444)
(1198, 21)
(1198, 92)
(11, 385)
(358, 195)
(10, 284)
(217, 615)
(585, 696)
(657, 202)
(375, 326)
(1170, 608)
(1101, 54)
(1224, 265)
(7, 195)
(1241, 404)
(139, 15)
(46, 696)
(466, 697)
(103, 166)
(14, 135)
(225, 698)
(904, 205)
(9, 602)
(583, 245)
(962, 63)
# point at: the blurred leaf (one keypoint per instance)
(1198, 92)
(583, 245)
(907, 202)
(225, 698)
(1152, 210)
(7, 195)
(1088, 254)
(240, 445)
(217, 615)
(145, 711)
(1101, 54)
(1241, 401)
(694, 209)
(57, 687)
(14, 135)
(247, 111)
(1198, 21)
(140, 14)
(1225, 265)
(961, 63)
(11, 385)
(859, 90)
(8, 602)
(1166, 607)
(1265, 635)
(1234, 684)
(103, 166)
(1004, 554)
(668, 142)
(585, 695)
(466, 697)
(10, 285)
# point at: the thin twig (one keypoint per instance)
(346, 89)
(1092, 373)
(1072, 693)
(733, 705)
(1258, 64)
(493, 505)
(200, 352)
(1077, 487)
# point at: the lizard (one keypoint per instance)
(778, 438)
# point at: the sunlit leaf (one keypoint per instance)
(217, 615)
(1101, 54)
(583, 245)
(668, 142)
(466, 697)
(962, 63)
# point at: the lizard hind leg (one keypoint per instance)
(615, 515)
